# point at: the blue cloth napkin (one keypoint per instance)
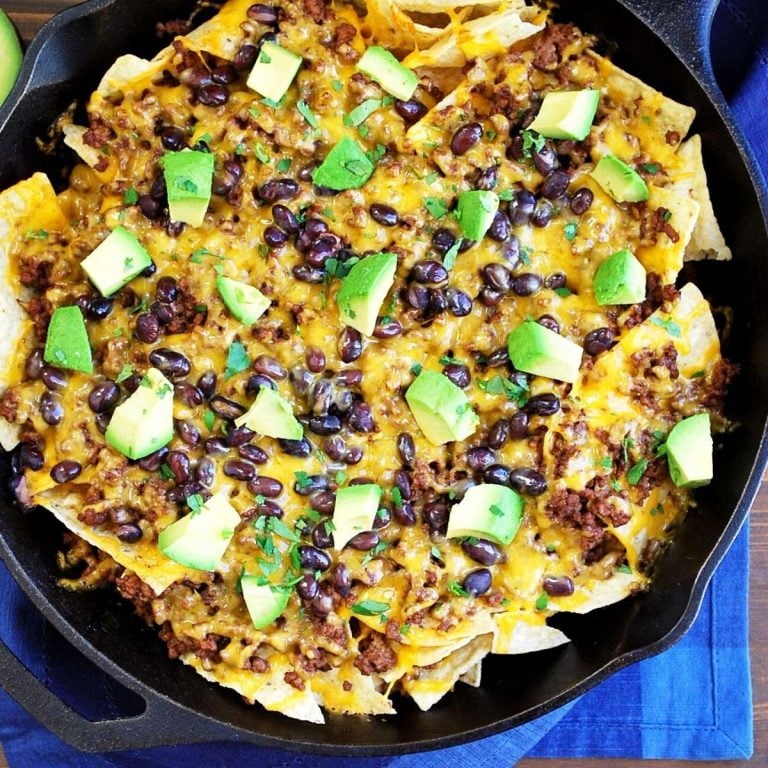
(691, 702)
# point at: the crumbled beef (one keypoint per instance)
(655, 474)
(551, 44)
(722, 376)
(343, 35)
(375, 655)
(93, 517)
(650, 554)
(672, 137)
(256, 664)
(504, 102)
(333, 632)
(10, 401)
(188, 311)
(317, 10)
(567, 508)
(210, 646)
(607, 546)
(293, 679)
(132, 588)
(657, 295)
(98, 133)
(36, 273)
(392, 631)
(173, 28)
(562, 451)
(347, 686)
(317, 661)
(40, 310)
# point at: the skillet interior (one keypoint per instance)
(516, 689)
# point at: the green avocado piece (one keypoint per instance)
(271, 415)
(346, 166)
(689, 452)
(115, 261)
(265, 602)
(189, 178)
(143, 423)
(487, 512)
(10, 61)
(395, 78)
(542, 352)
(274, 71)
(364, 289)
(244, 301)
(566, 114)
(622, 183)
(475, 212)
(440, 408)
(67, 345)
(620, 279)
(200, 538)
(355, 512)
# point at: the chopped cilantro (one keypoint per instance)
(240, 149)
(130, 196)
(532, 141)
(284, 165)
(646, 119)
(657, 510)
(237, 359)
(303, 480)
(416, 369)
(507, 194)
(525, 254)
(490, 134)
(363, 131)
(362, 112)
(36, 234)
(669, 325)
(456, 589)
(436, 553)
(306, 113)
(282, 530)
(637, 471)
(606, 462)
(405, 628)
(397, 496)
(375, 154)
(272, 103)
(195, 503)
(449, 260)
(431, 178)
(125, 372)
(209, 417)
(165, 472)
(563, 292)
(616, 485)
(260, 152)
(370, 607)
(542, 602)
(498, 385)
(340, 477)
(652, 168)
(450, 360)
(337, 86)
(667, 214)
(436, 206)
(253, 112)
(570, 231)
(698, 374)
(626, 444)
(624, 568)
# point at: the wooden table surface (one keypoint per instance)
(30, 14)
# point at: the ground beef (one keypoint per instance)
(333, 632)
(722, 376)
(40, 310)
(317, 10)
(657, 295)
(318, 661)
(173, 28)
(187, 309)
(375, 655)
(256, 664)
(562, 452)
(549, 47)
(567, 508)
(10, 401)
(504, 102)
(36, 274)
(655, 474)
(93, 517)
(98, 133)
(607, 546)
(672, 137)
(293, 679)
(132, 588)
(343, 35)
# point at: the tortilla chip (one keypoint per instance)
(473, 676)
(123, 71)
(410, 657)
(601, 593)
(359, 697)
(73, 138)
(515, 635)
(221, 35)
(707, 241)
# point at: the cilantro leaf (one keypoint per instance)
(456, 589)
(237, 359)
(449, 260)
(436, 206)
(125, 372)
(370, 607)
(669, 325)
(362, 112)
(130, 196)
(637, 471)
(306, 113)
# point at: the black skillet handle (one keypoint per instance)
(161, 723)
(685, 26)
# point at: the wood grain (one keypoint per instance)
(29, 15)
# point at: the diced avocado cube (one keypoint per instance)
(116, 261)
(380, 65)
(143, 423)
(355, 512)
(622, 183)
(274, 71)
(542, 352)
(689, 452)
(200, 538)
(10, 61)
(566, 114)
(487, 512)
(271, 415)
(67, 345)
(441, 409)
(265, 602)
(620, 279)
(189, 178)
(244, 301)
(475, 212)
(346, 166)
(364, 289)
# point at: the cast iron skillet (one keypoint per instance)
(666, 42)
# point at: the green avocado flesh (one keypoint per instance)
(689, 452)
(542, 352)
(441, 409)
(620, 279)
(274, 71)
(271, 415)
(67, 345)
(116, 261)
(622, 183)
(566, 114)
(263, 601)
(475, 212)
(143, 423)
(346, 166)
(189, 178)
(487, 512)
(364, 289)
(355, 512)
(10, 56)
(380, 65)
(244, 301)
(200, 538)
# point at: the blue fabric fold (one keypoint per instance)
(691, 702)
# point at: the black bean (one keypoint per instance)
(597, 341)
(516, 150)
(354, 455)
(477, 582)
(269, 508)
(364, 541)
(544, 405)
(498, 474)
(188, 394)
(205, 472)
(158, 190)
(417, 296)
(216, 446)
(129, 533)
(311, 484)
(350, 345)
(51, 409)
(150, 207)
(178, 463)
(498, 434)
(549, 322)
(315, 358)
(324, 425)
(173, 139)
(543, 214)
(545, 159)
(253, 453)
(466, 137)
(558, 586)
(53, 378)
(285, 219)
(459, 304)
(321, 396)
(34, 365)
(20, 490)
(264, 14)
(314, 559)
(482, 551)
(402, 481)
(350, 377)
(172, 364)
(521, 207)
(274, 237)
(498, 277)
(518, 425)
(389, 329)
(269, 366)
(256, 381)
(429, 271)
(435, 514)
(443, 240)
(411, 111)
(213, 95)
(342, 582)
(527, 284)
(30, 457)
(307, 588)
(278, 189)
(239, 436)
(167, 290)
(306, 274)
(207, 383)
(479, 458)
(196, 76)
(321, 535)
(163, 312)
(581, 201)
(224, 74)
(239, 469)
(382, 518)
(555, 280)
(65, 471)
(104, 396)
(153, 461)
(300, 448)
(436, 303)
(406, 448)
(245, 58)
(385, 215)
(555, 185)
(498, 358)
(361, 417)
(262, 485)
(226, 409)
(174, 228)
(147, 328)
(99, 307)
(500, 228)
(487, 178)
(528, 481)
(189, 433)
(150, 270)
(323, 501)
(132, 383)
(322, 249)
(228, 177)
(489, 297)
(322, 604)
(310, 231)
(335, 448)
(458, 374)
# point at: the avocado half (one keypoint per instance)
(10, 56)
